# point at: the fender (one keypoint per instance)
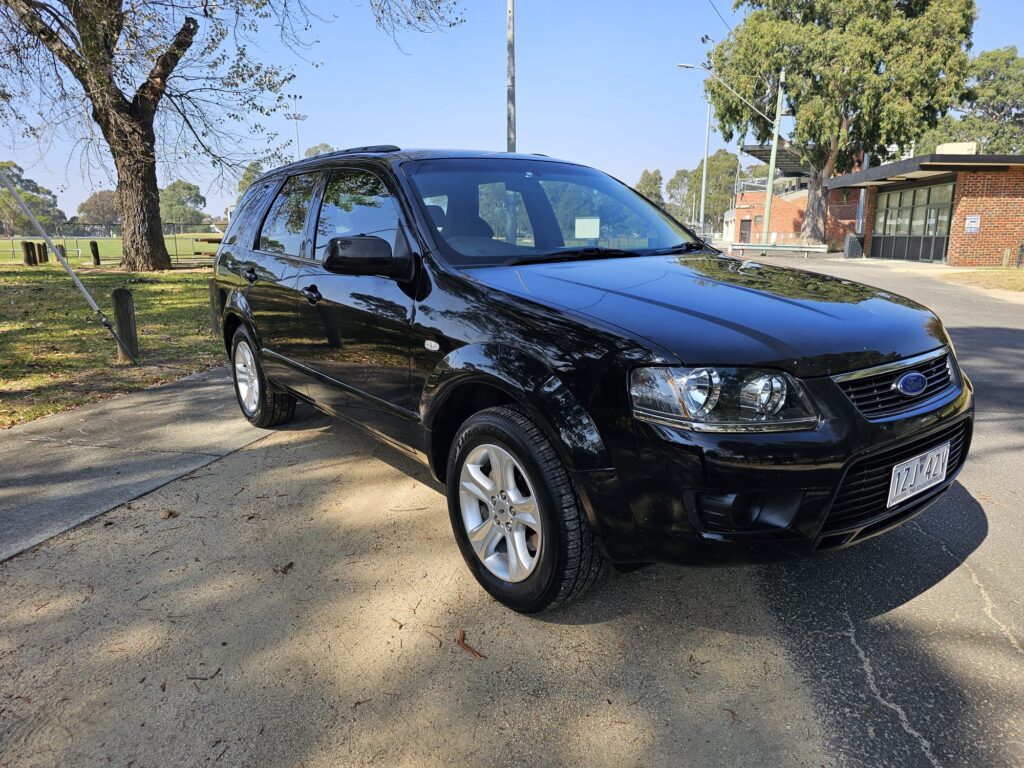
(532, 384)
(236, 304)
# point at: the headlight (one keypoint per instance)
(721, 399)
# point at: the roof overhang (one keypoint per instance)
(787, 160)
(924, 167)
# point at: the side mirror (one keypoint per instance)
(362, 255)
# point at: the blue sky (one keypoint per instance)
(596, 83)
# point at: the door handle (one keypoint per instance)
(311, 293)
(251, 275)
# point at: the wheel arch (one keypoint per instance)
(236, 312)
(476, 377)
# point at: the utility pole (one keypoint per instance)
(769, 191)
(704, 175)
(510, 78)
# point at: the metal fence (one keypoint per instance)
(186, 246)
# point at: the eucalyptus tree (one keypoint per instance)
(168, 80)
(992, 112)
(40, 200)
(861, 76)
(650, 186)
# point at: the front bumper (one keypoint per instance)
(815, 486)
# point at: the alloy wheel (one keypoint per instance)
(246, 377)
(500, 512)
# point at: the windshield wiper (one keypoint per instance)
(571, 254)
(689, 247)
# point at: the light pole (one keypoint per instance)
(769, 192)
(295, 117)
(511, 217)
(510, 76)
(704, 174)
(775, 141)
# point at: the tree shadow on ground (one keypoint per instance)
(302, 607)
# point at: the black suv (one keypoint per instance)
(592, 382)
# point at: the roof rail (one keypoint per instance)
(370, 148)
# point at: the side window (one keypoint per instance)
(285, 223)
(356, 202)
(252, 202)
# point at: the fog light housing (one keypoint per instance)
(729, 511)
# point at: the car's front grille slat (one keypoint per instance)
(875, 396)
(863, 494)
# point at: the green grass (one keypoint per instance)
(55, 354)
(178, 246)
(1010, 279)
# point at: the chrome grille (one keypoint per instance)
(873, 390)
(863, 494)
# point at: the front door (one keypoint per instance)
(276, 263)
(745, 231)
(354, 329)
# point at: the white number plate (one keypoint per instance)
(918, 474)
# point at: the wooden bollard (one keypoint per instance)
(124, 320)
(94, 249)
(63, 250)
(28, 253)
(42, 254)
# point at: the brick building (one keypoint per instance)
(744, 221)
(961, 209)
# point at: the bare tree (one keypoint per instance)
(168, 79)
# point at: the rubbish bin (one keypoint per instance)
(853, 247)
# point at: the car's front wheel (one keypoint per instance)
(516, 515)
(262, 406)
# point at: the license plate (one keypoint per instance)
(918, 474)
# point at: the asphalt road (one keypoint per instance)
(299, 602)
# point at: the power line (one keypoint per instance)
(712, 2)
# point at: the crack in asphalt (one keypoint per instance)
(989, 603)
(869, 674)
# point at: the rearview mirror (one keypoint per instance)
(361, 255)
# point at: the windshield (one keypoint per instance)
(508, 210)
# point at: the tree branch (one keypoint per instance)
(34, 23)
(152, 90)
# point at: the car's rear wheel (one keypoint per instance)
(516, 515)
(260, 404)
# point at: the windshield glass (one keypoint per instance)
(506, 210)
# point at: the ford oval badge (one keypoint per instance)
(911, 384)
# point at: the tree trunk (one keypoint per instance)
(133, 145)
(813, 225)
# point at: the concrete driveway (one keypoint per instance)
(299, 601)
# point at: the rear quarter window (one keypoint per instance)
(249, 208)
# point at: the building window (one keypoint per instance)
(921, 211)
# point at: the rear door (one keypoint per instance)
(282, 242)
(354, 329)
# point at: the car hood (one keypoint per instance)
(712, 310)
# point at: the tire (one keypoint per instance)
(554, 563)
(260, 405)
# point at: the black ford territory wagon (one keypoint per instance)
(592, 383)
